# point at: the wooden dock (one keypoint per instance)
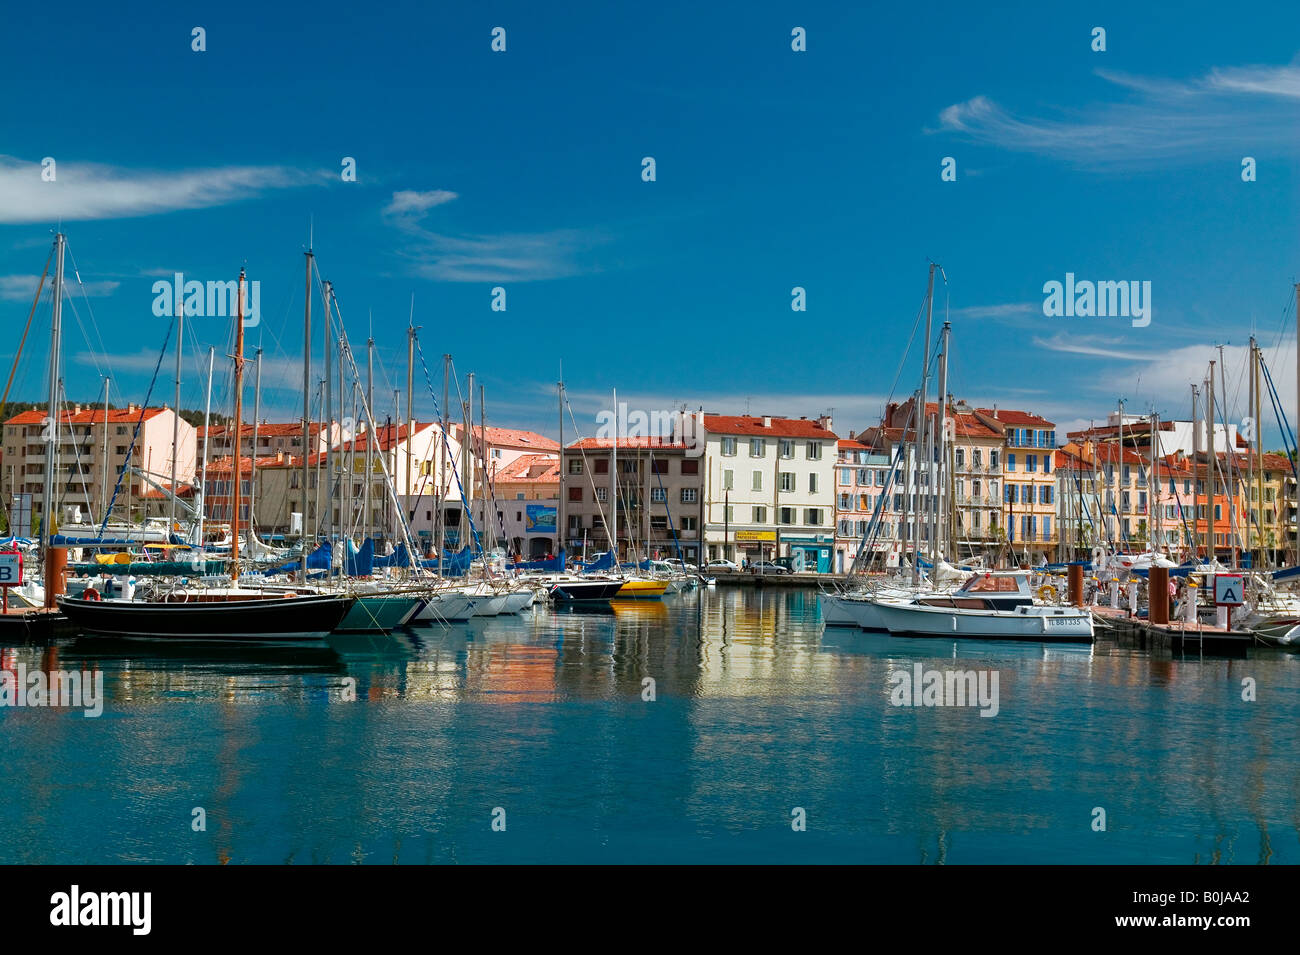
(25, 624)
(1137, 632)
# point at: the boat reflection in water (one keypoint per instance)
(389, 750)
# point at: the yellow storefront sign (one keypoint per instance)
(769, 536)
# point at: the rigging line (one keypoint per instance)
(126, 462)
(455, 470)
(89, 309)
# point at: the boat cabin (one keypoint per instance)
(992, 590)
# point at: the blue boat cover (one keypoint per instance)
(360, 562)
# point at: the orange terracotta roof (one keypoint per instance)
(1016, 418)
(848, 445)
(511, 438)
(779, 428)
(530, 469)
(632, 444)
(88, 416)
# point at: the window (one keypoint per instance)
(977, 457)
(787, 480)
(757, 481)
(658, 466)
(657, 495)
(846, 475)
(880, 478)
(787, 448)
(1011, 462)
(659, 522)
(757, 447)
(691, 466)
(993, 459)
(959, 457)
(975, 520)
(728, 480)
(1031, 463)
(602, 494)
(1045, 494)
(812, 516)
(787, 515)
(1047, 465)
(575, 494)
(689, 495)
(629, 466)
(758, 514)
(813, 451)
(729, 447)
(812, 483)
(729, 513)
(845, 502)
(1126, 474)
(688, 523)
(602, 466)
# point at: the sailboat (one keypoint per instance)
(226, 613)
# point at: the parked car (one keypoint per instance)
(786, 562)
(718, 564)
(767, 567)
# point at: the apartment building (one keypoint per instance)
(769, 486)
(1028, 484)
(92, 447)
(526, 496)
(657, 491)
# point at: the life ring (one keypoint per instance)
(90, 593)
(1046, 592)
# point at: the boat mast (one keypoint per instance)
(52, 431)
(488, 528)
(920, 421)
(239, 427)
(207, 440)
(252, 461)
(560, 527)
(613, 468)
(405, 496)
(306, 413)
(940, 443)
(176, 411)
(103, 499)
(1209, 466)
(444, 484)
(329, 426)
(370, 435)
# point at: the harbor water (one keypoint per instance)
(710, 727)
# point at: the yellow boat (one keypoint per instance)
(642, 589)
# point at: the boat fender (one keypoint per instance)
(90, 593)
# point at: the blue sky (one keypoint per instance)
(775, 169)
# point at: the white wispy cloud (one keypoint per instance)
(1242, 109)
(1010, 310)
(518, 257)
(21, 288)
(84, 191)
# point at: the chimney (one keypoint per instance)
(824, 422)
(767, 421)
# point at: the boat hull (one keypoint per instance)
(378, 613)
(310, 617)
(1041, 625)
(642, 590)
(585, 591)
